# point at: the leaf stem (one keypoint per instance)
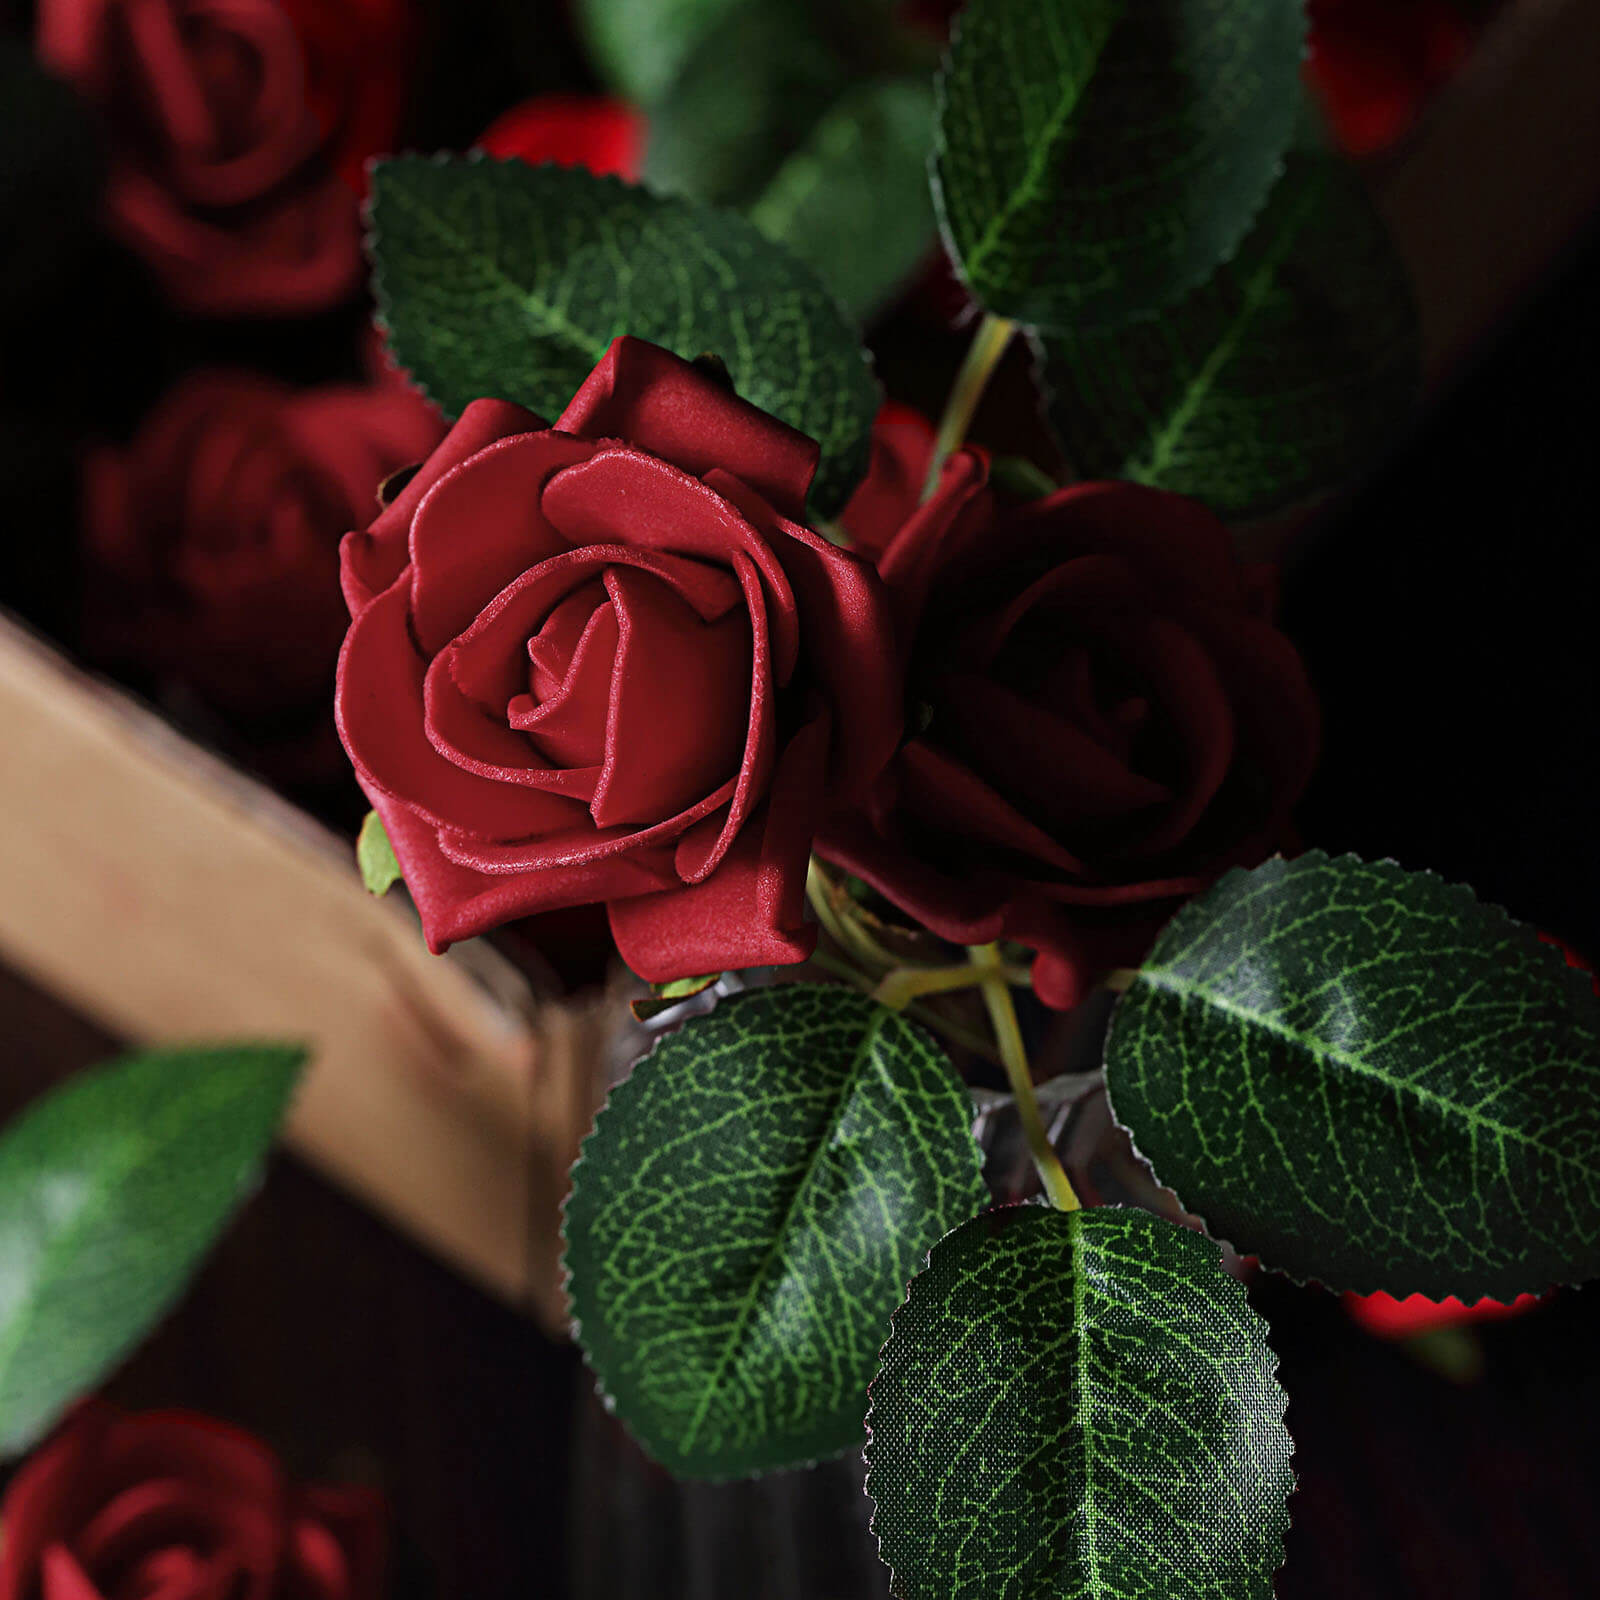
(1014, 1058)
(983, 356)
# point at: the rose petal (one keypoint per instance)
(902, 447)
(849, 635)
(590, 131)
(569, 729)
(456, 902)
(379, 707)
(481, 526)
(578, 846)
(953, 516)
(1053, 771)
(371, 560)
(751, 911)
(61, 1577)
(626, 498)
(650, 399)
(679, 703)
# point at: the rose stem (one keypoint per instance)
(1014, 1058)
(905, 984)
(983, 356)
(928, 1017)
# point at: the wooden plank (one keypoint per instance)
(169, 897)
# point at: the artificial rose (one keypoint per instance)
(573, 130)
(212, 538)
(170, 1506)
(605, 662)
(359, 56)
(1373, 64)
(1103, 718)
(217, 175)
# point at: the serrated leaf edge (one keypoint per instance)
(1461, 891)
(1039, 1203)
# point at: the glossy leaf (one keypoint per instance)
(112, 1189)
(852, 202)
(1278, 376)
(497, 278)
(1366, 1076)
(1078, 1406)
(745, 1217)
(375, 856)
(1096, 160)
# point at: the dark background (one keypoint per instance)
(1447, 611)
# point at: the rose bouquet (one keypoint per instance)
(849, 725)
(893, 758)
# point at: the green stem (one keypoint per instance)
(1014, 1058)
(926, 1015)
(983, 356)
(905, 984)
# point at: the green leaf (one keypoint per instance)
(1365, 1076)
(497, 278)
(640, 46)
(853, 201)
(664, 996)
(380, 872)
(743, 101)
(1277, 377)
(1097, 159)
(112, 1189)
(746, 1214)
(1078, 1406)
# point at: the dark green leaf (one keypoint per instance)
(853, 201)
(380, 872)
(640, 46)
(745, 99)
(1277, 377)
(1364, 1075)
(497, 278)
(1078, 1406)
(746, 1215)
(112, 1189)
(1097, 159)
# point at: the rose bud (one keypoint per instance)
(212, 539)
(1102, 718)
(120, 1507)
(603, 136)
(606, 662)
(217, 179)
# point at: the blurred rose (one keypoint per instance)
(359, 57)
(171, 1506)
(604, 136)
(217, 177)
(1373, 64)
(213, 537)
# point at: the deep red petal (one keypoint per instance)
(648, 398)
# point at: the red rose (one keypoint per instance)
(605, 662)
(573, 130)
(1103, 719)
(216, 179)
(1373, 63)
(359, 56)
(213, 537)
(177, 1506)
